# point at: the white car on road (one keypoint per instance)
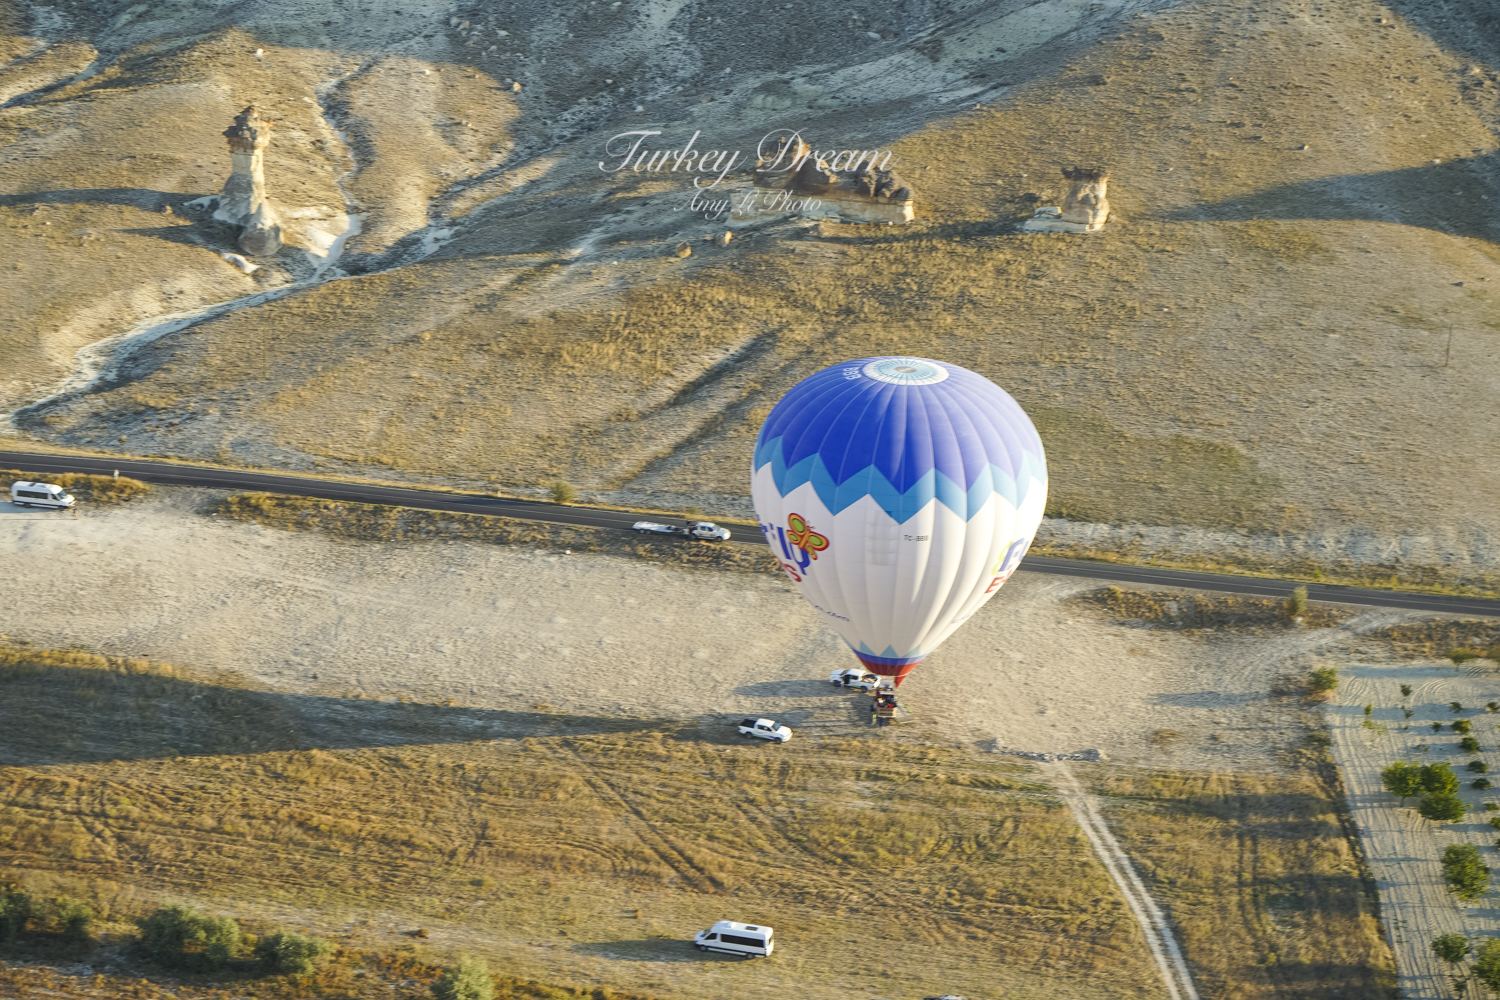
(766, 729)
(852, 677)
(705, 531)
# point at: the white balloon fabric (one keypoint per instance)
(899, 494)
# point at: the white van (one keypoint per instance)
(25, 494)
(734, 938)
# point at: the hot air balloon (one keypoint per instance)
(898, 494)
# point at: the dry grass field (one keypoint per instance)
(584, 850)
(1304, 211)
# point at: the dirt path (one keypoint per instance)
(1402, 848)
(1158, 933)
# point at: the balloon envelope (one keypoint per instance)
(899, 494)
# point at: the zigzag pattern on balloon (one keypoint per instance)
(901, 505)
(889, 658)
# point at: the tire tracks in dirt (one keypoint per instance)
(676, 859)
(1154, 925)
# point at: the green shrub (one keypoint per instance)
(1480, 784)
(1437, 727)
(1406, 690)
(562, 492)
(1493, 706)
(1462, 727)
(1486, 966)
(1464, 871)
(15, 910)
(1442, 808)
(1323, 680)
(1478, 766)
(1296, 602)
(180, 937)
(74, 918)
(1495, 822)
(469, 980)
(1469, 745)
(1451, 948)
(1439, 779)
(1402, 780)
(291, 953)
(1454, 706)
(1462, 656)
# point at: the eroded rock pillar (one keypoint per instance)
(243, 201)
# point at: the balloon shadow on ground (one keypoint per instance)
(70, 715)
(1440, 196)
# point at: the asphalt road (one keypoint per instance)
(173, 474)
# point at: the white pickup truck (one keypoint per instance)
(853, 677)
(766, 729)
(704, 531)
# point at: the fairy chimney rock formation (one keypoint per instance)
(850, 187)
(243, 201)
(1086, 203)
(1085, 209)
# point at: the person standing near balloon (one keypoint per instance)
(898, 494)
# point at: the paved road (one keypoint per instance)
(173, 474)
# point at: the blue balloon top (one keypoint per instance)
(901, 430)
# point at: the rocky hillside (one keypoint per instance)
(1289, 326)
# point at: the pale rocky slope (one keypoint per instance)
(1305, 206)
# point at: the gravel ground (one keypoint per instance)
(1403, 849)
(493, 626)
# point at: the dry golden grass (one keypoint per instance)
(91, 489)
(1204, 612)
(349, 975)
(131, 782)
(1171, 361)
(1341, 572)
(1261, 875)
(1434, 639)
(374, 522)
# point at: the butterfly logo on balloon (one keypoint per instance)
(799, 544)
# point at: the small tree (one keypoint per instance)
(469, 980)
(178, 937)
(1442, 808)
(1296, 602)
(1406, 690)
(1439, 779)
(1323, 680)
(1462, 727)
(1464, 871)
(562, 492)
(1487, 963)
(1451, 948)
(15, 910)
(291, 953)
(74, 918)
(1478, 767)
(1469, 745)
(1480, 784)
(1455, 706)
(1402, 780)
